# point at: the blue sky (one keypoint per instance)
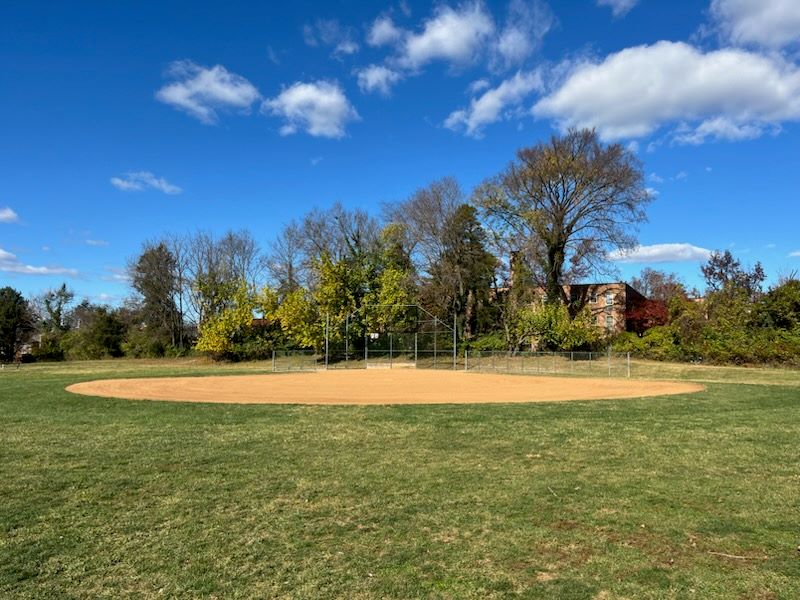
(123, 121)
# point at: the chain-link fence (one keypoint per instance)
(396, 352)
(578, 364)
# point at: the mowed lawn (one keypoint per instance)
(694, 496)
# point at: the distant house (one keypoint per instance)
(614, 305)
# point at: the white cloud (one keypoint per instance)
(346, 47)
(478, 85)
(273, 56)
(770, 23)
(453, 35)
(9, 263)
(795, 254)
(658, 253)
(377, 78)
(138, 181)
(329, 32)
(619, 8)
(315, 161)
(526, 25)
(319, 108)
(681, 175)
(489, 107)
(383, 31)
(117, 274)
(721, 128)
(655, 178)
(202, 91)
(652, 192)
(96, 243)
(7, 215)
(723, 94)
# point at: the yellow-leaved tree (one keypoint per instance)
(219, 333)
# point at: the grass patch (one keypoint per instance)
(674, 497)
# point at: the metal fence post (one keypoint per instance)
(629, 365)
(273, 360)
(327, 337)
(455, 341)
(609, 361)
(465, 359)
(415, 349)
(391, 347)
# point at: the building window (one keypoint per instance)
(609, 298)
(609, 322)
(593, 298)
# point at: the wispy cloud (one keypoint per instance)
(526, 25)
(7, 215)
(138, 181)
(116, 274)
(619, 8)
(329, 32)
(770, 23)
(98, 243)
(655, 178)
(493, 103)
(202, 91)
(794, 254)
(658, 253)
(9, 263)
(319, 108)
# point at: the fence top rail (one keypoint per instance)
(417, 306)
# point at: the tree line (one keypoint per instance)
(492, 264)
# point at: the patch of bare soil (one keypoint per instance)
(400, 386)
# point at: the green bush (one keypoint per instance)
(141, 344)
(488, 342)
(657, 343)
(49, 348)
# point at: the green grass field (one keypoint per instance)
(692, 496)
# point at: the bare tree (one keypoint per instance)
(242, 256)
(565, 204)
(285, 263)
(658, 285)
(426, 215)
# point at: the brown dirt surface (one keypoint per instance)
(362, 387)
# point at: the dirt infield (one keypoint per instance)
(401, 386)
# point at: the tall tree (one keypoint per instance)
(16, 323)
(216, 266)
(55, 304)
(154, 275)
(285, 261)
(724, 273)
(424, 217)
(565, 204)
(462, 277)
